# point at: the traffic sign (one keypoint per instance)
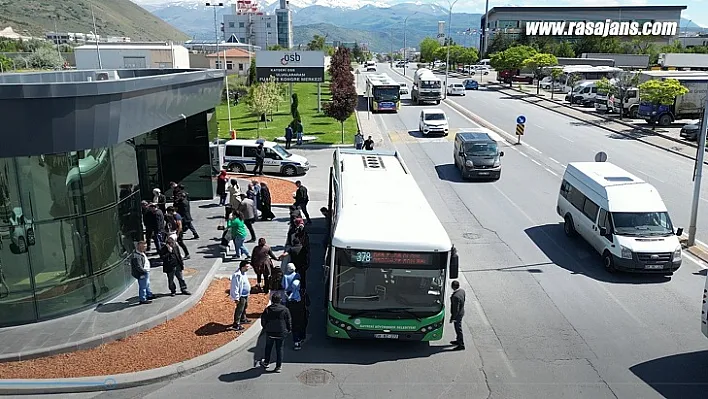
(521, 119)
(600, 157)
(520, 129)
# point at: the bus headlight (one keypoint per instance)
(626, 253)
(677, 255)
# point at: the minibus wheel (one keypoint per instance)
(568, 227)
(608, 262)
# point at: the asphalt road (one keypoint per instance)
(543, 319)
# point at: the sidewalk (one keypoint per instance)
(123, 316)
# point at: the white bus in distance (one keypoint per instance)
(621, 216)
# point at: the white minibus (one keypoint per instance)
(621, 216)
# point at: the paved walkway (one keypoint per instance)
(41, 339)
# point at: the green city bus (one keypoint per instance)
(383, 92)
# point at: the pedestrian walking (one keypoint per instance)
(184, 208)
(275, 285)
(277, 323)
(234, 197)
(266, 203)
(249, 212)
(369, 144)
(302, 199)
(299, 131)
(238, 234)
(288, 137)
(297, 256)
(173, 265)
(150, 222)
(159, 200)
(159, 235)
(173, 221)
(457, 312)
(140, 270)
(220, 187)
(240, 290)
(262, 258)
(176, 189)
(295, 304)
(359, 141)
(256, 194)
(260, 158)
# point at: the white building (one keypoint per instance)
(250, 25)
(132, 56)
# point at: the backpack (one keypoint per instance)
(276, 279)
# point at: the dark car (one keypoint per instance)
(471, 84)
(690, 132)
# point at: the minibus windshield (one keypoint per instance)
(642, 223)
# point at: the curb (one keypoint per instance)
(130, 380)
(697, 250)
(120, 333)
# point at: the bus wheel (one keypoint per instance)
(608, 262)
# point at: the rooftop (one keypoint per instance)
(232, 53)
(605, 174)
(128, 46)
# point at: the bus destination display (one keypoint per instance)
(392, 258)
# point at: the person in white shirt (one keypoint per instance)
(240, 289)
(140, 270)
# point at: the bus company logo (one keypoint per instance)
(288, 58)
(391, 328)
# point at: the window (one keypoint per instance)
(576, 198)
(232, 24)
(242, 39)
(234, 151)
(270, 154)
(267, 24)
(229, 65)
(241, 25)
(217, 64)
(134, 62)
(590, 209)
(249, 152)
(565, 189)
(240, 66)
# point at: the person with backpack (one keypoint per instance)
(173, 224)
(277, 323)
(275, 283)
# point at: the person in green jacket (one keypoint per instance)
(238, 233)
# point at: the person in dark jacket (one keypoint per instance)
(301, 200)
(150, 223)
(221, 187)
(277, 323)
(457, 312)
(184, 209)
(266, 203)
(262, 258)
(260, 158)
(173, 265)
(159, 226)
(288, 137)
(297, 256)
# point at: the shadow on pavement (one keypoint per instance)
(449, 172)
(211, 328)
(236, 376)
(117, 306)
(682, 376)
(578, 257)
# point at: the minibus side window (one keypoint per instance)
(249, 152)
(565, 189)
(576, 198)
(233, 150)
(590, 210)
(604, 221)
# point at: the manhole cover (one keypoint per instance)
(189, 272)
(472, 236)
(315, 377)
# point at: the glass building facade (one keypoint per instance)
(69, 221)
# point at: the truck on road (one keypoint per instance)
(687, 106)
(684, 60)
(426, 87)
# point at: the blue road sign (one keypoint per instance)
(521, 119)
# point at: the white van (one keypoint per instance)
(621, 216)
(240, 156)
(583, 93)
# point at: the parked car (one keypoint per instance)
(403, 89)
(690, 131)
(471, 84)
(455, 89)
(21, 230)
(479, 69)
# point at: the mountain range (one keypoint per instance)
(378, 23)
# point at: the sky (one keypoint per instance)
(697, 10)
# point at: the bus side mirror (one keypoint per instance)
(501, 154)
(454, 266)
(679, 231)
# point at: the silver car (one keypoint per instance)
(21, 231)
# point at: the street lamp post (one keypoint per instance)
(218, 58)
(405, 48)
(95, 36)
(449, 41)
(483, 42)
(698, 176)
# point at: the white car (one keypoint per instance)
(479, 69)
(433, 121)
(404, 88)
(456, 89)
(21, 230)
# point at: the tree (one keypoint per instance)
(661, 92)
(252, 72)
(469, 55)
(45, 58)
(275, 93)
(597, 44)
(293, 108)
(538, 62)
(571, 80)
(344, 95)
(512, 58)
(618, 87)
(555, 74)
(5, 63)
(357, 53)
(276, 47)
(428, 48)
(499, 43)
(317, 43)
(260, 102)
(564, 49)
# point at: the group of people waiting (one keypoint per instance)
(286, 284)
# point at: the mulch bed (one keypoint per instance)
(281, 191)
(198, 331)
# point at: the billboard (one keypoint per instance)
(291, 66)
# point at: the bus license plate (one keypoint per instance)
(654, 267)
(386, 336)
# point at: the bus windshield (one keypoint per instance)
(395, 289)
(387, 93)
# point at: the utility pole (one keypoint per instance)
(95, 36)
(483, 42)
(449, 42)
(698, 175)
(391, 57)
(405, 45)
(56, 39)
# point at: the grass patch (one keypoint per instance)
(327, 130)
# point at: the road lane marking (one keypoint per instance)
(649, 176)
(617, 301)
(695, 260)
(487, 324)
(522, 153)
(553, 160)
(551, 172)
(567, 139)
(536, 162)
